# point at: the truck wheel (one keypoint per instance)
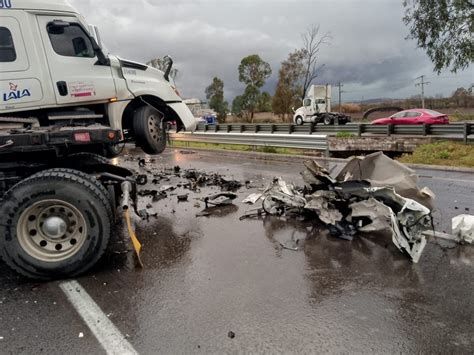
(54, 224)
(90, 178)
(149, 133)
(113, 150)
(299, 121)
(327, 120)
(88, 158)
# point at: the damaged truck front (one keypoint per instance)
(55, 70)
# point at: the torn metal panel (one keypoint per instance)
(321, 203)
(463, 228)
(380, 170)
(252, 198)
(371, 215)
(220, 199)
(315, 174)
(281, 196)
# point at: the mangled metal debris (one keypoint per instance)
(369, 194)
(463, 228)
(220, 199)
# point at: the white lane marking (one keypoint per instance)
(104, 330)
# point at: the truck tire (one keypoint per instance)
(149, 134)
(54, 224)
(88, 158)
(91, 179)
(299, 121)
(113, 150)
(327, 120)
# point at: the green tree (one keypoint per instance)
(162, 64)
(444, 29)
(215, 95)
(238, 105)
(264, 102)
(289, 87)
(253, 71)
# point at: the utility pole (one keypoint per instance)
(340, 86)
(422, 84)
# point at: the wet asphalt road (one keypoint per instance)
(207, 276)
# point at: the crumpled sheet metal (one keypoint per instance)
(463, 228)
(366, 196)
(373, 210)
(407, 219)
(380, 171)
(280, 195)
(320, 202)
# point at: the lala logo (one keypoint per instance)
(15, 93)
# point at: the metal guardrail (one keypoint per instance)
(464, 131)
(301, 141)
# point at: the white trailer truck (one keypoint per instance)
(53, 69)
(62, 99)
(317, 108)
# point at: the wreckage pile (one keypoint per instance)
(369, 194)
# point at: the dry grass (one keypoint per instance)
(442, 153)
(350, 108)
(461, 117)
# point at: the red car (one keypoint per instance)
(414, 116)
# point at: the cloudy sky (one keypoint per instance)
(368, 52)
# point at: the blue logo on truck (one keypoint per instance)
(15, 93)
(5, 4)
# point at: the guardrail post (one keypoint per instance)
(426, 129)
(272, 128)
(389, 129)
(359, 130)
(256, 128)
(311, 127)
(465, 132)
(216, 128)
(241, 128)
(229, 128)
(290, 129)
(205, 128)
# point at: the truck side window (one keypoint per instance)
(7, 49)
(307, 102)
(71, 41)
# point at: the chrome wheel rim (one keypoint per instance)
(154, 126)
(51, 230)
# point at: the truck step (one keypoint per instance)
(33, 121)
(74, 115)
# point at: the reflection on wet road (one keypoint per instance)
(206, 276)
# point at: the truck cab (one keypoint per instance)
(53, 68)
(317, 108)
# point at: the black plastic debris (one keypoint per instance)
(183, 197)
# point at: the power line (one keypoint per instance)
(422, 84)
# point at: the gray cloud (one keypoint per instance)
(208, 38)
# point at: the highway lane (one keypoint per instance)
(207, 276)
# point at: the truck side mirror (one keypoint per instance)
(168, 68)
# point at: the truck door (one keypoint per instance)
(75, 72)
(308, 107)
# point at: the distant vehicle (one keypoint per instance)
(317, 108)
(414, 116)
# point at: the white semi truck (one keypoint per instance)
(63, 101)
(53, 69)
(317, 108)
